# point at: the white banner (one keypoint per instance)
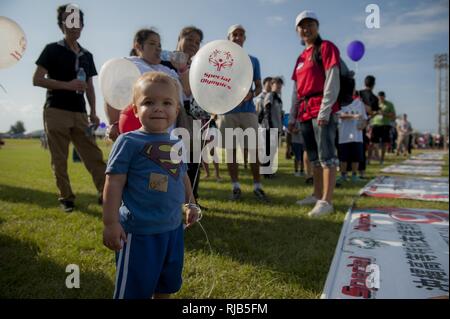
(422, 162)
(391, 253)
(429, 189)
(430, 156)
(413, 170)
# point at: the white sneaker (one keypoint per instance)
(310, 200)
(298, 174)
(322, 208)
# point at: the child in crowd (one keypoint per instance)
(144, 192)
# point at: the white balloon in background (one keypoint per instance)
(13, 42)
(220, 76)
(117, 78)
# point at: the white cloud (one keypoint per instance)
(275, 20)
(417, 25)
(274, 2)
(11, 113)
(398, 34)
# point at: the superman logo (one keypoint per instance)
(159, 152)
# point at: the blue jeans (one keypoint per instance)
(320, 142)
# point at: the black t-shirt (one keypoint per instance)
(61, 64)
(369, 99)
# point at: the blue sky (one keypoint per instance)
(400, 53)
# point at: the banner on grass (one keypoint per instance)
(422, 162)
(435, 156)
(429, 189)
(391, 253)
(413, 170)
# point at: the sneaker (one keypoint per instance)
(259, 193)
(322, 208)
(236, 194)
(66, 205)
(341, 180)
(297, 174)
(355, 179)
(310, 200)
(309, 181)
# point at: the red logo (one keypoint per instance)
(358, 287)
(364, 223)
(420, 217)
(221, 60)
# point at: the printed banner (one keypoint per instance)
(430, 156)
(429, 189)
(413, 170)
(391, 253)
(422, 162)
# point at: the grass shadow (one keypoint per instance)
(46, 200)
(296, 247)
(27, 274)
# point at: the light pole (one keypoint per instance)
(441, 66)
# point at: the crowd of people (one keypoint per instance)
(331, 126)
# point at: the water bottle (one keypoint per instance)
(81, 75)
(166, 55)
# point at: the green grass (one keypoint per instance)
(259, 251)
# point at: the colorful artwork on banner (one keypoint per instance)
(391, 253)
(429, 189)
(435, 156)
(422, 162)
(413, 170)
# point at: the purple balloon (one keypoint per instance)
(102, 125)
(355, 50)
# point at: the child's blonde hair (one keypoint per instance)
(155, 77)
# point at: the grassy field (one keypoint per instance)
(258, 251)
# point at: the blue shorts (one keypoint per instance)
(297, 149)
(149, 264)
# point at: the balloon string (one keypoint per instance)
(198, 221)
(3, 88)
(210, 263)
(200, 157)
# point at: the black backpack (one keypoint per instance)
(346, 79)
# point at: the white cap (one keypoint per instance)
(235, 27)
(305, 15)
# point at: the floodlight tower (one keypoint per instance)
(441, 66)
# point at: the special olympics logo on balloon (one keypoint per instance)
(221, 59)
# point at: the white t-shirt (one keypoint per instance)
(145, 67)
(348, 128)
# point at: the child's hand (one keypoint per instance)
(192, 215)
(112, 236)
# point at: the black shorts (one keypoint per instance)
(381, 134)
(351, 152)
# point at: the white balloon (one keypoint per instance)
(13, 42)
(221, 76)
(117, 77)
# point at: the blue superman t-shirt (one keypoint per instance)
(154, 192)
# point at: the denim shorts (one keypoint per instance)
(320, 142)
